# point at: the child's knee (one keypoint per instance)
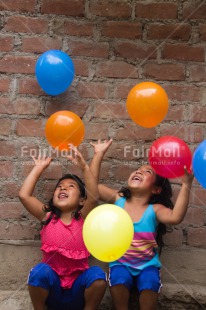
(41, 275)
(95, 275)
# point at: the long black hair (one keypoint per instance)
(164, 198)
(54, 210)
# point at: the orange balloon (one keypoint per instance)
(147, 104)
(64, 127)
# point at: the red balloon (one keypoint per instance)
(168, 155)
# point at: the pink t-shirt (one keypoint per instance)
(64, 249)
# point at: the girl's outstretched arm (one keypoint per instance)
(31, 203)
(106, 194)
(90, 182)
(176, 216)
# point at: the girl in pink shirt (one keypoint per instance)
(64, 279)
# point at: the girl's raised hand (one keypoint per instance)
(42, 161)
(76, 157)
(188, 177)
(101, 147)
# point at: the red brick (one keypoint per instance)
(27, 106)
(40, 45)
(188, 133)
(165, 72)
(131, 131)
(72, 28)
(202, 31)
(197, 237)
(29, 86)
(197, 73)
(176, 113)
(4, 84)
(48, 190)
(121, 29)
(171, 32)
(17, 64)
(63, 7)
(94, 90)
(6, 107)
(198, 114)
(184, 93)
(11, 189)
(110, 111)
(194, 11)
(18, 5)
(156, 10)
(30, 127)
(6, 169)
(6, 43)
(53, 172)
(26, 24)
(70, 168)
(10, 209)
(7, 148)
(198, 197)
(54, 106)
(194, 216)
(183, 52)
(132, 50)
(105, 171)
(121, 90)
(110, 8)
(175, 238)
(122, 172)
(90, 49)
(116, 69)
(81, 67)
(18, 231)
(95, 131)
(6, 127)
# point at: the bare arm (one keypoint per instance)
(89, 179)
(176, 216)
(106, 194)
(31, 203)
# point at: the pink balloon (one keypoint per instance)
(168, 155)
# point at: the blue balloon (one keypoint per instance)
(199, 163)
(54, 72)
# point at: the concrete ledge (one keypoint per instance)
(172, 297)
(183, 277)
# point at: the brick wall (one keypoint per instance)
(114, 45)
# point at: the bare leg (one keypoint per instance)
(120, 296)
(93, 295)
(38, 297)
(148, 300)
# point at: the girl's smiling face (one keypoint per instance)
(67, 196)
(144, 178)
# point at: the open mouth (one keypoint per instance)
(62, 196)
(136, 178)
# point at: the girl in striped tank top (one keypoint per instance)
(147, 199)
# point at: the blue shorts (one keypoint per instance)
(147, 279)
(45, 277)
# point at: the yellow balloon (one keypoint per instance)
(107, 232)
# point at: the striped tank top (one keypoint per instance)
(142, 252)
